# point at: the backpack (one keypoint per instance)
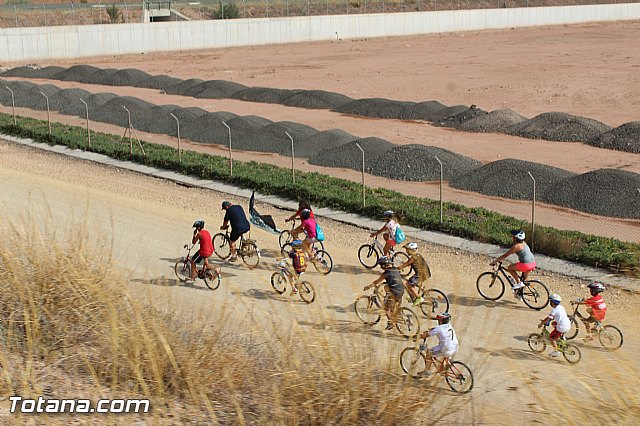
(319, 233)
(400, 237)
(298, 260)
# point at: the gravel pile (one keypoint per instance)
(497, 121)
(22, 93)
(263, 95)
(375, 107)
(160, 82)
(418, 163)
(349, 156)
(183, 86)
(207, 128)
(423, 111)
(509, 178)
(623, 138)
(33, 71)
(605, 192)
(75, 73)
(274, 139)
(327, 139)
(316, 99)
(113, 112)
(67, 101)
(447, 112)
(216, 89)
(98, 77)
(457, 120)
(559, 126)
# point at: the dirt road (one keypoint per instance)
(148, 220)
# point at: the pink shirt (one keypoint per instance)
(309, 227)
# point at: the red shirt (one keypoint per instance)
(300, 211)
(599, 307)
(206, 245)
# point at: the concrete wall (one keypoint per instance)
(32, 44)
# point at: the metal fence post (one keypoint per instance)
(15, 11)
(178, 123)
(48, 114)
(45, 14)
(441, 179)
(86, 109)
(230, 153)
(13, 104)
(364, 201)
(533, 213)
(293, 170)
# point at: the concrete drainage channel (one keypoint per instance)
(544, 262)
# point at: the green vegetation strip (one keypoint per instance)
(472, 223)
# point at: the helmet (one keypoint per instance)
(384, 261)
(296, 243)
(411, 246)
(443, 318)
(596, 287)
(198, 224)
(225, 204)
(305, 214)
(388, 214)
(555, 298)
(519, 234)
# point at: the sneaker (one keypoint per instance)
(554, 354)
(517, 294)
(418, 301)
(519, 285)
(233, 258)
(389, 326)
(294, 290)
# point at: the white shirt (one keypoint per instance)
(447, 339)
(391, 226)
(559, 315)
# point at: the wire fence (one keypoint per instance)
(54, 14)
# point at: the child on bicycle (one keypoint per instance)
(447, 340)
(559, 319)
(394, 288)
(308, 226)
(302, 205)
(421, 272)
(203, 238)
(390, 227)
(526, 262)
(298, 262)
(596, 308)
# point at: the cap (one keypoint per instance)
(225, 204)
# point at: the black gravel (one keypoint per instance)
(457, 120)
(207, 128)
(624, 138)
(316, 99)
(75, 73)
(215, 89)
(559, 126)
(327, 139)
(509, 178)
(445, 113)
(159, 82)
(418, 163)
(99, 77)
(375, 107)
(605, 192)
(349, 155)
(426, 111)
(183, 86)
(498, 121)
(263, 95)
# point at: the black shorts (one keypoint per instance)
(196, 258)
(235, 234)
(397, 291)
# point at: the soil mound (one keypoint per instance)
(32, 71)
(509, 178)
(623, 138)
(159, 82)
(447, 112)
(559, 126)
(497, 121)
(264, 95)
(127, 77)
(216, 89)
(22, 93)
(183, 86)
(274, 139)
(418, 163)
(208, 128)
(316, 99)
(244, 133)
(375, 108)
(99, 77)
(75, 73)
(460, 118)
(349, 155)
(113, 111)
(327, 139)
(423, 111)
(604, 192)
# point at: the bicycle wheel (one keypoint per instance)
(610, 337)
(182, 269)
(323, 262)
(412, 361)
(407, 322)
(285, 237)
(221, 245)
(306, 291)
(435, 302)
(573, 331)
(286, 249)
(536, 342)
(571, 353)
(279, 282)
(318, 245)
(250, 254)
(459, 377)
(212, 279)
(368, 309)
(368, 255)
(535, 295)
(490, 286)
(400, 258)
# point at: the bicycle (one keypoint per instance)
(457, 374)
(286, 236)
(435, 301)
(280, 278)
(370, 253)
(370, 308)
(609, 336)
(182, 268)
(246, 249)
(320, 259)
(538, 343)
(491, 286)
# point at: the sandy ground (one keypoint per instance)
(148, 220)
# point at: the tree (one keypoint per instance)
(226, 11)
(114, 13)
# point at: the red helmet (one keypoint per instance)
(443, 318)
(596, 287)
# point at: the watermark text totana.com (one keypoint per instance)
(42, 405)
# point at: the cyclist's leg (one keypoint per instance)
(589, 324)
(554, 336)
(413, 288)
(306, 246)
(233, 237)
(513, 271)
(193, 261)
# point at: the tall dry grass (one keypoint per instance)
(70, 328)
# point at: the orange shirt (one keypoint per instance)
(599, 307)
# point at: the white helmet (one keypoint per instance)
(388, 214)
(411, 246)
(519, 234)
(555, 298)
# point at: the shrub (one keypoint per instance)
(226, 11)
(114, 13)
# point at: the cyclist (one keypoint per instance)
(560, 321)
(393, 287)
(526, 262)
(302, 204)
(447, 340)
(298, 262)
(389, 230)
(420, 271)
(203, 238)
(596, 308)
(308, 226)
(239, 225)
